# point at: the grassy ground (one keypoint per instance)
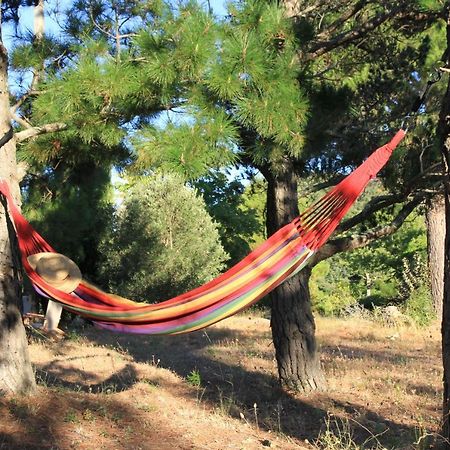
(218, 390)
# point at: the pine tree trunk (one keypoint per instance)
(16, 374)
(444, 136)
(292, 321)
(436, 241)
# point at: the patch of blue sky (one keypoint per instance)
(16, 34)
(20, 81)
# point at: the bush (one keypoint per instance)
(419, 305)
(329, 296)
(332, 304)
(163, 243)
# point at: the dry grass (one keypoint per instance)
(218, 390)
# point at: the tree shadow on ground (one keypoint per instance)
(56, 375)
(57, 419)
(234, 390)
(382, 356)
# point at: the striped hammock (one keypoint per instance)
(284, 254)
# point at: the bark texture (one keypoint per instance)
(16, 374)
(444, 135)
(435, 216)
(292, 321)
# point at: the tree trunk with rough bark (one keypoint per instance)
(444, 137)
(435, 216)
(16, 374)
(292, 321)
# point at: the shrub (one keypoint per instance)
(163, 242)
(329, 296)
(419, 305)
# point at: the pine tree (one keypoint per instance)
(291, 118)
(241, 91)
(444, 140)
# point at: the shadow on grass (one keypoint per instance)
(232, 389)
(382, 356)
(55, 420)
(55, 375)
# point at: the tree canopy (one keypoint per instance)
(163, 242)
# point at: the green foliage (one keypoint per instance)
(237, 223)
(194, 378)
(254, 199)
(84, 97)
(163, 242)
(258, 59)
(186, 149)
(330, 291)
(419, 305)
(237, 77)
(72, 207)
(30, 55)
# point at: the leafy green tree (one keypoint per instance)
(237, 223)
(73, 206)
(164, 242)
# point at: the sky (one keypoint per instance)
(18, 84)
(51, 25)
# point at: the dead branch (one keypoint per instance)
(37, 131)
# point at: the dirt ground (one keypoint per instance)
(217, 389)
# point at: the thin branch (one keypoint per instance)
(37, 131)
(96, 25)
(24, 98)
(321, 47)
(21, 121)
(401, 12)
(346, 15)
(127, 35)
(308, 9)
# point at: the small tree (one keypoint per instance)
(164, 242)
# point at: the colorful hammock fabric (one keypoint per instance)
(285, 253)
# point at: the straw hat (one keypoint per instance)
(57, 270)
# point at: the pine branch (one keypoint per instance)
(304, 11)
(345, 244)
(401, 13)
(21, 121)
(37, 131)
(24, 98)
(319, 48)
(346, 15)
(99, 27)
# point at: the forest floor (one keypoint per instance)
(217, 389)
